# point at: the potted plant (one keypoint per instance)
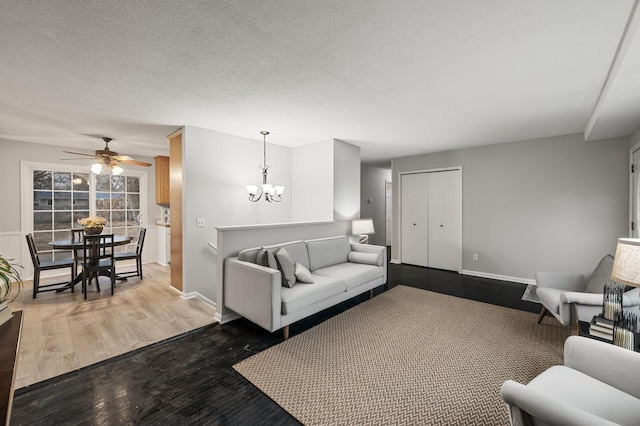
(9, 278)
(93, 224)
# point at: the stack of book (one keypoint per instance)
(5, 313)
(601, 327)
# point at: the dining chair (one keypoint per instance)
(98, 259)
(77, 235)
(39, 266)
(137, 255)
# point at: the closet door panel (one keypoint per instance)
(414, 227)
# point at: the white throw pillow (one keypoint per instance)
(303, 274)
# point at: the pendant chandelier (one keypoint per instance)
(272, 193)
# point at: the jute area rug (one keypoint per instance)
(407, 357)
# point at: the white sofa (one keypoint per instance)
(340, 270)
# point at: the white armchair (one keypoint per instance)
(565, 295)
(597, 385)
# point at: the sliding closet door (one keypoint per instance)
(445, 219)
(414, 219)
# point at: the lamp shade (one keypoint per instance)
(362, 227)
(626, 264)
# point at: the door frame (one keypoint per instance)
(399, 198)
(632, 195)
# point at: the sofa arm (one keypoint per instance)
(592, 299)
(370, 248)
(605, 362)
(253, 291)
(561, 281)
(542, 407)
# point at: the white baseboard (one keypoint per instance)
(394, 261)
(200, 297)
(498, 277)
(228, 317)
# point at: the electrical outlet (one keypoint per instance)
(475, 256)
(200, 223)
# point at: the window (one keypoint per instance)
(60, 195)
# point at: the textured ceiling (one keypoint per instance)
(394, 77)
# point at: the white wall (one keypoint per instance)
(553, 204)
(12, 242)
(312, 186)
(346, 181)
(372, 184)
(635, 138)
(216, 168)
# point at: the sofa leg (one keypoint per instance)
(371, 294)
(543, 312)
(285, 330)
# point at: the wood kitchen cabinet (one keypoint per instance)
(162, 180)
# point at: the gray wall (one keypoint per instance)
(373, 188)
(553, 204)
(346, 181)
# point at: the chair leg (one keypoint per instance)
(113, 279)
(84, 284)
(543, 312)
(139, 262)
(36, 282)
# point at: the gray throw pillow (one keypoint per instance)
(286, 267)
(601, 276)
(266, 258)
(303, 274)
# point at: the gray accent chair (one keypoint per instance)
(564, 296)
(597, 385)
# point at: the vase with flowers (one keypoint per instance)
(92, 225)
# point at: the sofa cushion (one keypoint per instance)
(250, 254)
(354, 274)
(286, 266)
(303, 295)
(601, 276)
(325, 252)
(366, 258)
(303, 274)
(297, 250)
(266, 258)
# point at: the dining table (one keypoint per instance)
(69, 244)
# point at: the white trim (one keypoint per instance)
(228, 317)
(399, 198)
(498, 277)
(394, 261)
(633, 149)
(198, 296)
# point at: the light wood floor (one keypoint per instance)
(62, 332)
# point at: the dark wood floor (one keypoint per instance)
(188, 380)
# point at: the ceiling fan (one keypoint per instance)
(109, 158)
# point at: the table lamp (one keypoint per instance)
(362, 228)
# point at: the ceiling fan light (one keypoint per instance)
(116, 170)
(96, 168)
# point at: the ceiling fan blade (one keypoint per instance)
(76, 159)
(79, 153)
(135, 163)
(123, 158)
